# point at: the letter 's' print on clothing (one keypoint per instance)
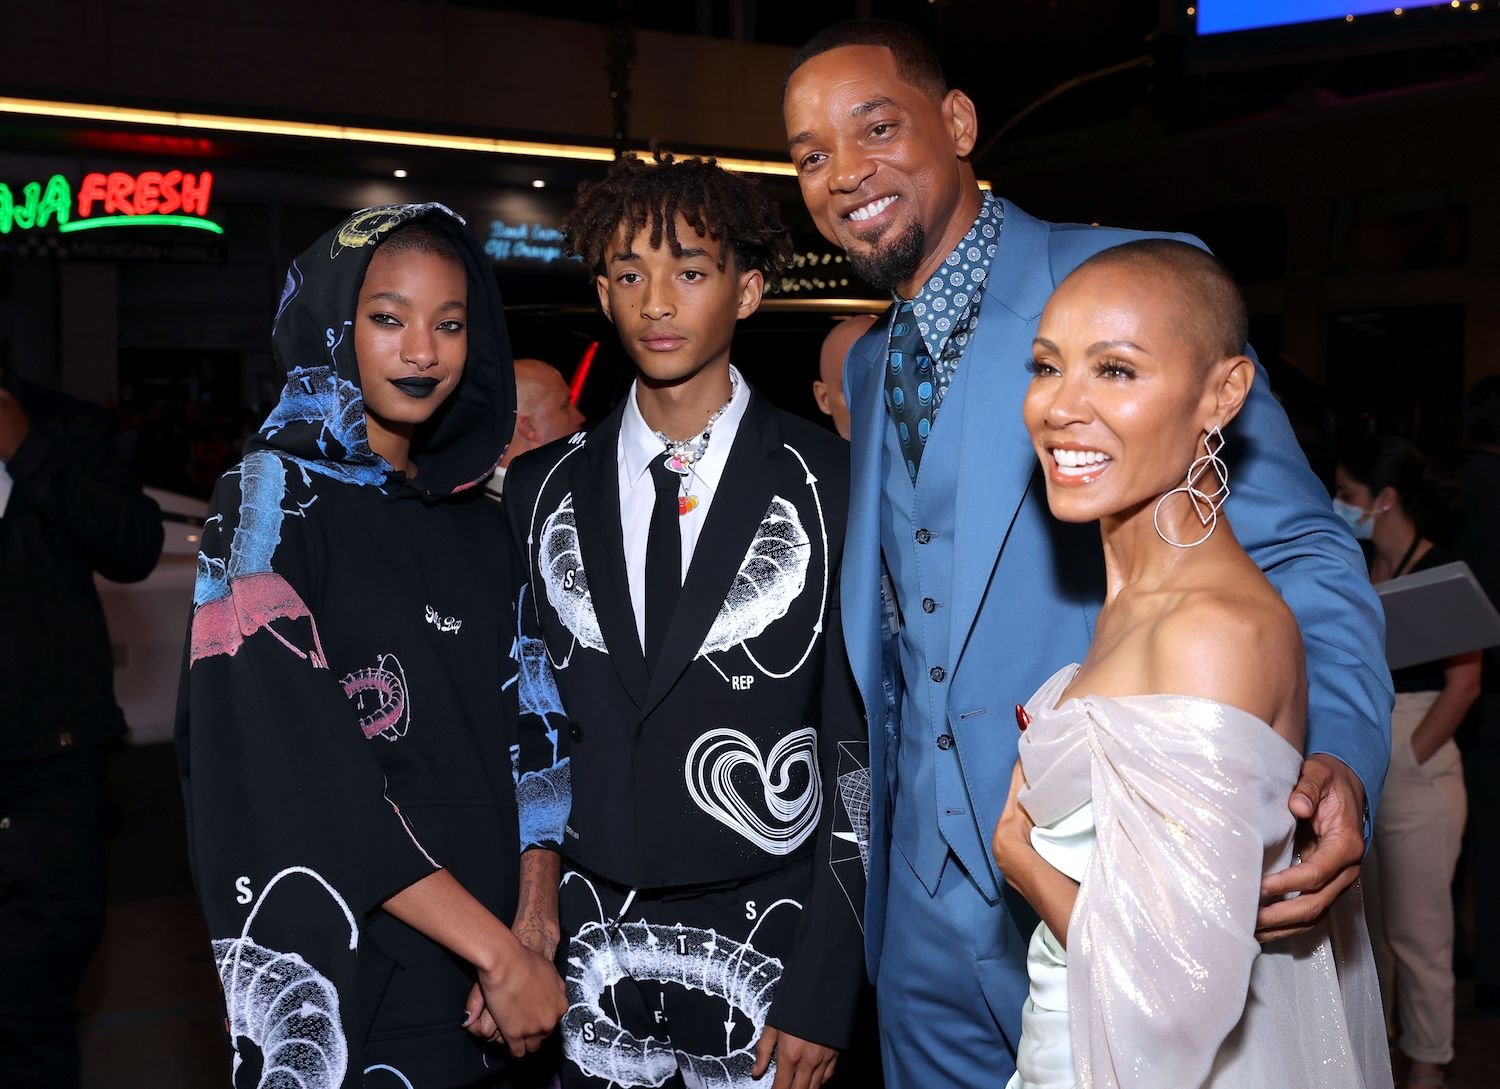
(282, 1004)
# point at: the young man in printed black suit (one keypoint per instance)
(683, 593)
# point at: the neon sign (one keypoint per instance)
(524, 242)
(117, 199)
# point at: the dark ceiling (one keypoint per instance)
(1114, 60)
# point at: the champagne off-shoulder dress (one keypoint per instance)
(1168, 810)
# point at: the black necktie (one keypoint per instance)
(663, 558)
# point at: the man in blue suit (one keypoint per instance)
(985, 595)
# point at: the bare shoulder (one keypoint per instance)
(1239, 646)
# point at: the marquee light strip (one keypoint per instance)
(82, 111)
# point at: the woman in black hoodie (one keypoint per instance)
(348, 705)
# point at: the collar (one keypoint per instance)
(937, 308)
(639, 446)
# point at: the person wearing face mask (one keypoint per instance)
(1384, 495)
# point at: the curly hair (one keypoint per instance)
(726, 207)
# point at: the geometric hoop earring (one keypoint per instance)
(1205, 503)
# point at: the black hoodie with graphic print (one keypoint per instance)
(348, 700)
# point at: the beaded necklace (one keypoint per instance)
(683, 454)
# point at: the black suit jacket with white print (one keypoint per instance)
(719, 761)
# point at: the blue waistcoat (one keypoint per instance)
(917, 539)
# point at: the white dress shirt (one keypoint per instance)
(6, 483)
(638, 447)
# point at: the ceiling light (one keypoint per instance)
(538, 183)
(398, 173)
(86, 111)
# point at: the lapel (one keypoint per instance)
(864, 368)
(995, 456)
(596, 509)
(744, 495)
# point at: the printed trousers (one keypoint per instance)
(672, 987)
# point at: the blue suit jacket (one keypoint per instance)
(1026, 589)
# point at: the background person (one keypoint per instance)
(1384, 493)
(1479, 545)
(828, 387)
(66, 511)
(544, 412)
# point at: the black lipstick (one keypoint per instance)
(415, 387)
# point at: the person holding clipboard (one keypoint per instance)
(1383, 493)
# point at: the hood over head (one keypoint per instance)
(320, 418)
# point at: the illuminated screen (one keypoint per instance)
(1220, 16)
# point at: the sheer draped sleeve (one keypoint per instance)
(1189, 799)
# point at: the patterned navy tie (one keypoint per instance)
(909, 387)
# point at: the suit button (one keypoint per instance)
(945, 741)
(575, 731)
(937, 673)
(928, 605)
(923, 536)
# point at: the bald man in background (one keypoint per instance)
(828, 387)
(544, 412)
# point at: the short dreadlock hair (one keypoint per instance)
(726, 207)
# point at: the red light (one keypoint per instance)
(147, 143)
(581, 375)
